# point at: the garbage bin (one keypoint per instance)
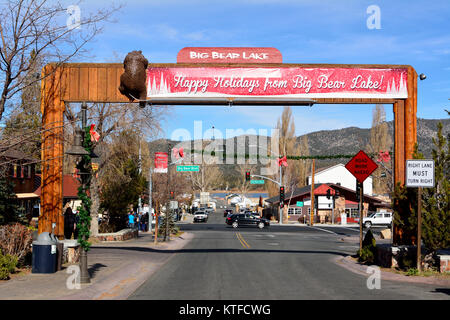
(44, 254)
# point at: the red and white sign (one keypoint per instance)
(282, 82)
(161, 160)
(229, 55)
(361, 166)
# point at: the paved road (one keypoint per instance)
(280, 262)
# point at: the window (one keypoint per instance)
(378, 215)
(25, 170)
(294, 210)
(387, 215)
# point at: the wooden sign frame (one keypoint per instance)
(99, 82)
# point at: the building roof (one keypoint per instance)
(16, 154)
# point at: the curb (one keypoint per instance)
(355, 267)
(122, 283)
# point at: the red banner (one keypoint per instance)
(288, 82)
(161, 160)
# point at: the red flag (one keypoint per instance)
(178, 153)
(94, 135)
(282, 161)
(384, 156)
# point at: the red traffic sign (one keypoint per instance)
(361, 166)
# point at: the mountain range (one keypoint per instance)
(327, 142)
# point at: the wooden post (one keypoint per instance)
(312, 194)
(419, 229)
(361, 193)
(52, 155)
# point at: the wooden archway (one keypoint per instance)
(99, 82)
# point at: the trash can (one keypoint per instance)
(44, 254)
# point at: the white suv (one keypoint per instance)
(378, 218)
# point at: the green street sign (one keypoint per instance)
(188, 168)
(299, 203)
(256, 181)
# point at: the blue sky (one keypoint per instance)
(412, 32)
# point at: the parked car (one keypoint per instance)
(209, 210)
(236, 220)
(200, 216)
(226, 212)
(378, 219)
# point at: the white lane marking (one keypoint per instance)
(323, 230)
(273, 244)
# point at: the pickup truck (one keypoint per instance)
(378, 219)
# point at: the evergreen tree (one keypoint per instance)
(436, 201)
(404, 204)
(9, 211)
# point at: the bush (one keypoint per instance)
(369, 249)
(8, 265)
(15, 240)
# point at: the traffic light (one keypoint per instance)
(172, 195)
(247, 176)
(282, 197)
(328, 194)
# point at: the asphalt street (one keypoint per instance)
(279, 262)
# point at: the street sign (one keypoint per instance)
(361, 166)
(188, 168)
(299, 203)
(256, 181)
(419, 173)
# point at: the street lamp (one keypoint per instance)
(281, 179)
(80, 152)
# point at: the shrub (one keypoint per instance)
(369, 249)
(412, 272)
(8, 265)
(15, 240)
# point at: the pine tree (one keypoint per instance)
(404, 204)
(9, 212)
(436, 201)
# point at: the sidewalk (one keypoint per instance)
(388, 274)
(117, 269)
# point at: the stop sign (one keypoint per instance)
(361, 166)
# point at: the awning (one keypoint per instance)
(27, 195)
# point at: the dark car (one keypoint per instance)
(226, 212)
(245, 219)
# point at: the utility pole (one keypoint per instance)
(312, 194)
(150, 206)
(140, 171)
(166, 233)
(281, 210)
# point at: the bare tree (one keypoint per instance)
(110, 121)
(42, 27)
(380, 140)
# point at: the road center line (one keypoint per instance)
(243, 242)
